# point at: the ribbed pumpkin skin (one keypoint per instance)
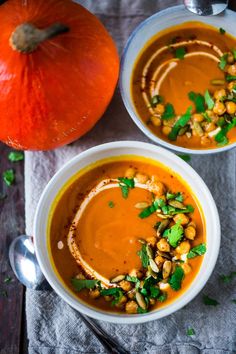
(54, 95)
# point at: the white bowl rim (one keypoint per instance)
(130, 110)
(183, 299)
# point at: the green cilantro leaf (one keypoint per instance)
(207, 118)
(230, 77)
(162, 297)
(111, 204)
(143, 256)
(185, 157)
(223, 61)
(125, 184)
(140, 310)
(155, 100)
(209, 301)
(154, 292)
(169, 112)
(198, 100)
(221, 30)
(80, 284)
(234, 53)
(158, 203)
(169, 210)
(176, 278)
(174, 234)
(221, 137)
(117, 293)
(9, 177)
(190, 332)
(208, 99)
(15, 156)
(181, 122)
(180, 53)
(198, 250)
(227, 278)
(177, 196)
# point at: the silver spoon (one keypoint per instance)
(206, 7)
(26, 268)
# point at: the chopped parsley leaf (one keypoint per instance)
(177, 196)
(111, 204)
(140, 310)
(143, 256)
(174, 234)
(117, 293)
(221, 30)
(169, 112)
(209, 301)
(190, 332)
(227, 278)
(230, 77)
(80, 284)
(162, 297)
(176, 278)
(221, 137)
(208, 99)
(223, 61)
(180, 53)
(9, 177)
(158, 203)
(198, 100)
(185, 157)
(125, 184)
(15, 156)
(198, 250)
(181, 122)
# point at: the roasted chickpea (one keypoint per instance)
(186, 268)
(156, 187)
(182, 218)
(107, 298)
(230, 107)
(163, 245)
(160, 108)
(151, 240)
(231, 85)
(184, 247)
(131, 307)
(94, 294)
(218, 94)
(152, 301)
(212, 115)
(130, 172)
(230, 58)
(166, 130)
(190, 232)
(125, 285)
(219, 108)
(141, 178)
(231, 70)
(156, 121)
(122, 301)
(209, 127)
(197, 117)
(159, 261)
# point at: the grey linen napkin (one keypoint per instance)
(54, 327)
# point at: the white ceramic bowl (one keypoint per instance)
(143, 33)
(137, 148)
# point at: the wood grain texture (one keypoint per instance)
(12, 224)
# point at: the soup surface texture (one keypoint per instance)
(126, 235)
(184, 86)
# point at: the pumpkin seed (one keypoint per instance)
(150, 272)
(149, 252)
(217, 82)
(153, 266)
(176, 204)
(198, 129)
(142, 241)
(164, 216)
(163, 254)
(141, 205)
(118, 278)
(140, 300)
(183, 130)
(162, 226)
(167, 265)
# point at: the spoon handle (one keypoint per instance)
(109, 344)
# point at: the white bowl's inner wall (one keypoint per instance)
(117, 149)
(149, 28)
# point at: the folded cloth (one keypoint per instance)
(53, 326)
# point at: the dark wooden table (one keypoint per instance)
(13, 338)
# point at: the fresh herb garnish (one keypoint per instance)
(207, 118)
(221, 137)
(181, 122)
(111, 204)
(190, 332)
(221, 30)
(198, 250)
(180, 53)
(162, 297)
(223, 61)
(185, 157)
(144, 256)
(176, 278)
(209, 301)
(208, 99)
(15, 156)
(198, 100)
(174, 234)
(158, 203)
(169, 210)
(227, 278)
(7, 280)
(230, 77)
(126, 184)
(140, 310)
(80, 284)
(234, 53)
(177, 196)
(9, 177)
(117, 293)
(169, 112)
(133, 280)
(155, 100)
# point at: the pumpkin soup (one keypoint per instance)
(127, 235)
(184, 86)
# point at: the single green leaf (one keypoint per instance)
(169, 112)
(155, 100)
(207, 118)
(208, 99)
(185, 157)
(190, 332)
(124, 190)
(180, 53)
(223, 61)
(117, 293)
(198, 100)
(140, 310)
(162, 297)
(230, 77)
(177, 196)
(158, 203)
(111, 204)
(154, 292)
(129, 182)
(7, 280)
(221, 136)
(144, 256)
(80, 284)
(9, 177)
(174, 234)
(234, 53)
(198, 250)
(169, 210)
(227, 278)
(209, 301)
(176, 278)
(221, 30)
(15, 156)
(181, 122)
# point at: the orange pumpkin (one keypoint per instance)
(58, 71)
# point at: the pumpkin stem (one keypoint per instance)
(27, 37)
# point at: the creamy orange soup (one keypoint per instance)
(184, 86)
(100, 223)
